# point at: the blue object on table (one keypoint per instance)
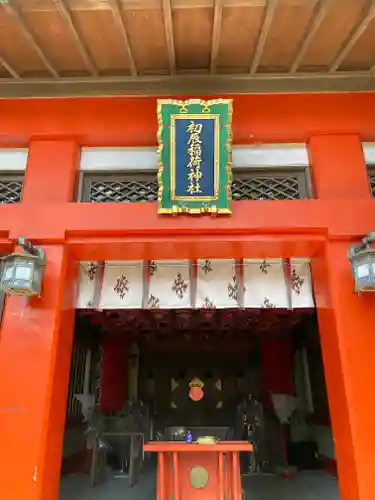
(189, 437)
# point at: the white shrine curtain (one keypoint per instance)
(216, 283)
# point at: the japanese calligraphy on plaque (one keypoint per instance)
(195, 156)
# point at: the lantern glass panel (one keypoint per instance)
(362, 270)
(8, 271)
(37, 278)
(363, 265)
(23, 272)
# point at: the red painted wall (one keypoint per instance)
(35, 338)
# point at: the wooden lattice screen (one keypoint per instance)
(11, 188)
(371, 178)
(252, 184)
(77, 379)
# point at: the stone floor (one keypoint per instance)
(305, 486)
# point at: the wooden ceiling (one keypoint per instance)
(86, 47)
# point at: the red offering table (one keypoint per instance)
(199, 471)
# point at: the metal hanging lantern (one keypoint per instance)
(362, 259)
(22, 273)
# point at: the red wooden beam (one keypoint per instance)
(263, 219)
(122, 121)
(219, 247)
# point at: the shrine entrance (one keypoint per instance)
(158, 373)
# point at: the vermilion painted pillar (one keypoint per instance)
(346, 325)
(338, 167)
(35, 346)
(51, 172)
(346, 322)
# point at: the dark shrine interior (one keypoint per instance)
(151, 357)
(234, 352)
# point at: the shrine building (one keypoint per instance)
(187, 220)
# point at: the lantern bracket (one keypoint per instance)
(365, 244)
(29, 248)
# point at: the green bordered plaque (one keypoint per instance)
(195, 156)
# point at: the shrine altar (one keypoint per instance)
(198, 471)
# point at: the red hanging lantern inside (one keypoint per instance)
(196, 389)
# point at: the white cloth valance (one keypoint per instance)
(216, 283)
(265, 284)
(122, 286)
(169, 285)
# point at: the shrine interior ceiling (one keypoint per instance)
(99, 47)
(175, 330)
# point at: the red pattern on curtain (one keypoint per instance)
(277, 366)
(114, 375)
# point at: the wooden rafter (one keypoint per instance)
(215, 43)
(353, 38)
(83, 50)
(9, 68)
(263, 34)
(166, 85)
(117, 16)
(150, 4)
(168, 23)
(12, 10)
(318, 17)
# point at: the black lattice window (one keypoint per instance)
(281, 187)
(371, 178)
(10, 189)
(247, 185)
(120, 189)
